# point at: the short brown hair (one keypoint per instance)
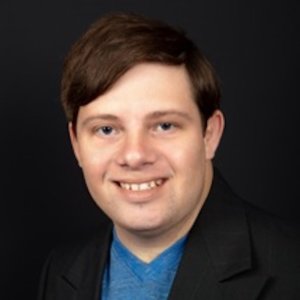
(116, 43)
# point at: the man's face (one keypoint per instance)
(145, 158)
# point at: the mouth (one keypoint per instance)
(141, 186)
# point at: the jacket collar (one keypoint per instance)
(218, 250)
(222, 224)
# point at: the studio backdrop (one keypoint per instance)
(254, 46)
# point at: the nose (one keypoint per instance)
(136, 151)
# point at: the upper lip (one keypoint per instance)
(138, 181)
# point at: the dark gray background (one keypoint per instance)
(254, 45)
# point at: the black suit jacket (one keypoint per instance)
(234, 252)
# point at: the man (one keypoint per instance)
(142, 104)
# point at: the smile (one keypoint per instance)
(143, 186)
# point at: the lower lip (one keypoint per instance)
(141, 196)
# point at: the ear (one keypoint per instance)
(74, 142)
(213, 133)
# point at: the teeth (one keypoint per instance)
(135, 187)
(152, 184)
(159, 182)
(141, 186)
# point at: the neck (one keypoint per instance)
(146, 247)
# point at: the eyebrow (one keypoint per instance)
(163, 113)
(153, 115)
(105, 117)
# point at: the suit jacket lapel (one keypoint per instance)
(218, 261)
(86, 270)
(194, 274)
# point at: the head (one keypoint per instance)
(142, 104)
(118, 42)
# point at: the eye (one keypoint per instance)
(105, 130)
(165, 126)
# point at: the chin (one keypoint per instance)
(142, 226)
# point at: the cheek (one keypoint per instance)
(93, 162)
(187, 155)
(94, 171)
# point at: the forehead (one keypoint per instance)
(146, 88)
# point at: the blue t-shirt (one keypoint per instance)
(126, 277)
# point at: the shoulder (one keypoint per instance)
(75, 263)
(266, 230)
(276, 251)
(277, 239)
(65, 255)
(274, 242)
